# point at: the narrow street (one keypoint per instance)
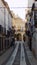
(18, 55)
(21, 55)
(18, 32)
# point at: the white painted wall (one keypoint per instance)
(35, 3)
(1, 13)
(30, 2)
(10, 21)
(6, 18)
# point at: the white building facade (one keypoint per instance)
(5, 24)
(30, 2)
(10, 21)
(7, 17)
(2, 14)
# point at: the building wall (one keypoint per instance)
(34, 43)
(6, 18)
(34, 37)
(10, 21)
(30, 2)
(5, 22)
(18, 23)
(1, 13)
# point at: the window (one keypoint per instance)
(35, 18)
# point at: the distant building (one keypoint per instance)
(17, 22)
(19, 25)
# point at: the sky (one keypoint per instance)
(18, 7)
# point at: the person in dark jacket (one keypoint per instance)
(13, 42)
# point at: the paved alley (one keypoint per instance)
(21, 55)
(18, 55)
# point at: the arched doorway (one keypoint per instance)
(19, 37)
